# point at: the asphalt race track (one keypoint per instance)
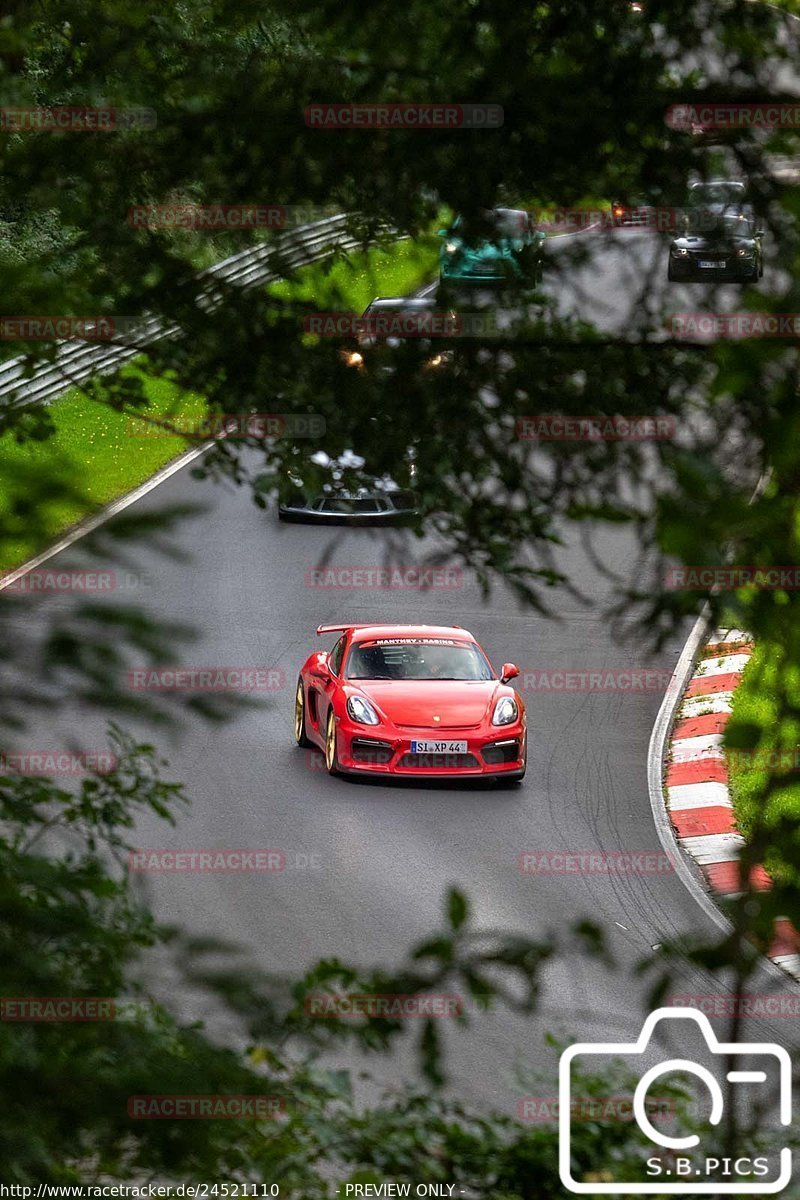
(368, 863)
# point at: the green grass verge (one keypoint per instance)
(351, 281)
(757, 742)
(92, 457)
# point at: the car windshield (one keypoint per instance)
(728, 224)
(417, 658)
(716, 193)
(493, 225)
(511, 222)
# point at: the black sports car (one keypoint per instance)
(723, 245)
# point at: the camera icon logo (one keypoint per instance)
(670, 1173)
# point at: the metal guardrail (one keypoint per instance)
(74, 363)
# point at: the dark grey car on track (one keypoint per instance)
(339, 495)
(717, 245)
(362, 508)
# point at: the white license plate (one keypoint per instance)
(707, 263)
(429, 747)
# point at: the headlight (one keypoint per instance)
(450, 247)
(680, 251)
(362, 711)
(505, 711)
(745, 252)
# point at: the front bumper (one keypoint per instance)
(369, 750)
(687, 268)
(307, 516)
(470, 273)
(474, 280)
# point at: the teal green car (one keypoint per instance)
(501, 246)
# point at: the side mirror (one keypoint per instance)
(509, 671)
(320, 667)
(759, 231)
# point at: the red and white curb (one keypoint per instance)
(696, 780)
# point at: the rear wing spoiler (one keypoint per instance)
(342, 628)
(353, 625)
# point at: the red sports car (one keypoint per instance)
(410, 700)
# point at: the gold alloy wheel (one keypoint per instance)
(330, 743)
(299, 705)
